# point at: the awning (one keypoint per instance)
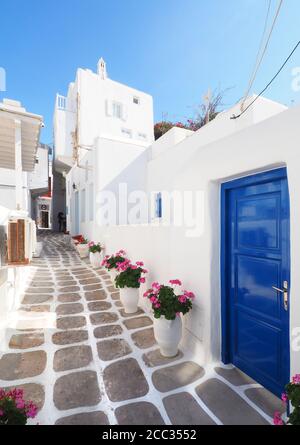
(12, 112)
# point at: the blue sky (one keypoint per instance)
(172, 49)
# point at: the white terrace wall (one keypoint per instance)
(168, 253)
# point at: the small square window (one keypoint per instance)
(158, 205)
(136, 100)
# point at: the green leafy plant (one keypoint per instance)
(292, 396)
(130, 275)
(93, 247)
(169, 301)
(13, 408)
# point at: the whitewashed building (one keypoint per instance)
(99, 120)
(19, 141)
(229, 232)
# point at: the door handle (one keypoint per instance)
(285, 292)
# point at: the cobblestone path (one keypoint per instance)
(84, 361)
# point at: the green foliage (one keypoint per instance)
(129, 278)
(94, 248)
(12, 415)
(113, 260)
(165, 302)
(293, 394)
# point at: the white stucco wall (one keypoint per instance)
(169, 253)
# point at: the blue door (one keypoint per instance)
(256, 278)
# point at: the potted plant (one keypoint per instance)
(95, 250)
(13, 408)
(292, 396)
(168, 303)
(110, 262)
(129, 280)
(83, 247)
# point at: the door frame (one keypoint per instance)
(256, 178)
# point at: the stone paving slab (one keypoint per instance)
(227, 405)
(95, 295)
(35, 308)
(32, 392)
(72, 357)
(68, 298)
(69, 289)
(96, 306)
(68, 309)
(69, 337)
(41, 284)
(103, 318)
(265, 400)
(234, 376)
(115, 295)
(71, 322)
(129, 371)
(90, 287)
(90, 281)
(140, 413)
(108, 331)
(113, 349)
(22, 365)
(26, 341)
(154, 358)
(139, 322)
(40, 290)
(94, 418)
(172, 377)
(183, 409)
(144, 338)
(67, 283)
(76, 390)
(36, 299)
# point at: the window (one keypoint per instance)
(127, 132)
(82, 205)
(158, 205)
(117, 110)
(91, 202)
(136, 100)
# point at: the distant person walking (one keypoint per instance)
(61, 218)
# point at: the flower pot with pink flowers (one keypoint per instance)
(110, 263)
(291, 398)
(83, 248)
(14, 410)
(168, 304)
(128, 280)
(95, 250)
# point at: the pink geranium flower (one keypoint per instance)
(284, 397)
(175, 282)
(139, 263)
(277, 419)
(142, 280)
(296, 379)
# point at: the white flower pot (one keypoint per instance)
(168, 335)
(95, 259)
(129, 297)
(83, 250)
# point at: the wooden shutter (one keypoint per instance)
(16, 242)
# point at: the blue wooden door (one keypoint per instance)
(256, 261)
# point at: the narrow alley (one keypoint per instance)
(82, 360)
